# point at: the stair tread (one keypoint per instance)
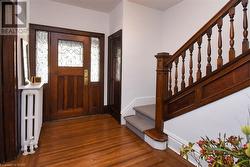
(147, 110)
(140, 123)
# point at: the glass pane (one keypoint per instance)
(70, 54)
(8, 14)
(95, 60)
(118, 64)
(42, 55)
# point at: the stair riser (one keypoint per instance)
(145, 117)
(135, 130)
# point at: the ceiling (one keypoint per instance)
(108, 5)
(98, 5)
(157, 4)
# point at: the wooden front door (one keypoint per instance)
(69, 75)
(115, 74)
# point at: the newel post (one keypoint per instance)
(161, 89)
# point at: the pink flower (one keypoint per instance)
(210, 159)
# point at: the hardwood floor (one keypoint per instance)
(95, 141)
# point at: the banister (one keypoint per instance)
(212, 22)
(175, 97)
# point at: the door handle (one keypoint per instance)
(86, 77)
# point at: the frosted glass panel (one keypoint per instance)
(42, 55)
(70, 54)
(95, 60)
(118, 64)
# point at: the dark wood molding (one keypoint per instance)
(106, 109)
(9, 142)
(2, 149)
(10, 96)
(117, 116)
(115, 110)
(65, 30)
(4, 4)
(225, 81)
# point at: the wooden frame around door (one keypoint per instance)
(2, 150)
(116, 113)
(32, 51)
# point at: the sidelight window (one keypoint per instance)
(42, 46)
(95, 60)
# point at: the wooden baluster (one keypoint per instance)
(232, 50)
(199, 74)
(183, 84)
(191, 79)
(209, 66)
(220, 59)
(176, 76)
(170, 80)
(245, 43)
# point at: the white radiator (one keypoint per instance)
(31, 117)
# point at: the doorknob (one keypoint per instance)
(86, 77)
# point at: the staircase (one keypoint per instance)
(181, 88)
(142, 121)
(142, 124)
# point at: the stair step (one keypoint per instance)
(140, 123)
(147, 110)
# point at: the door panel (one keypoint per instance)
(115, 71)
(69, 75)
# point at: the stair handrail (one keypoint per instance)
(211, 23)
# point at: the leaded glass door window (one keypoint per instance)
(70, 53)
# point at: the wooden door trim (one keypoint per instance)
(2, 149)
(9, 92)
(10, 97)
(50, 29)
(110, 67)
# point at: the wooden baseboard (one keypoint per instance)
(106, 109)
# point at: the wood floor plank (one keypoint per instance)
(95, 141)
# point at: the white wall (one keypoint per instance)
(116, 18)
(183, 20)
(141, 41)
(223, 116)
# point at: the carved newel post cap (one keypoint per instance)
(162, 55)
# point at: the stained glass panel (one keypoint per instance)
(70, 54)
(95, 60)
(42, 55)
